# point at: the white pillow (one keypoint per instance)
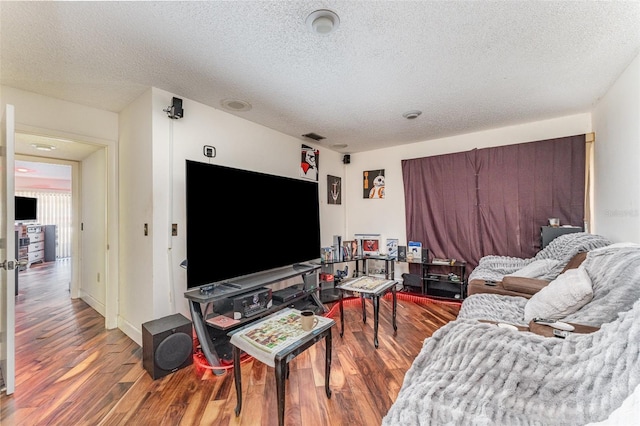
(563, 296)
(542, 269)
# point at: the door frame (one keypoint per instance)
(7, 298)
(112, 225)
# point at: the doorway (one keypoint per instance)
(44, 235)
(88, 164)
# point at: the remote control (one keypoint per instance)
(560, 333)
(555, 324)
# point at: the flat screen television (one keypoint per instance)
(240, 222)
(26, 209)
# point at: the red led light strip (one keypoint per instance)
(201, 362)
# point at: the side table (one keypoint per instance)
(276, 340)
(370, 288)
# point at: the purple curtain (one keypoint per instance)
(494, 200)
(440, 204)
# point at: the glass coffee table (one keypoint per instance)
(275, 340)
(369, 288)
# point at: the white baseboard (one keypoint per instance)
(134, 333)
(95, 304)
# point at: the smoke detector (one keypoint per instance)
(322, 21)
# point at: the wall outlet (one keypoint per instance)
(174, 229)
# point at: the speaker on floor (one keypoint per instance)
(167, 345)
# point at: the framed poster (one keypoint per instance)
(334, 190)
(373, 184)
(309, 163)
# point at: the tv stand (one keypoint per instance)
(214, 339)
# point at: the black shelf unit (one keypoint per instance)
(214, 339)
(445, 280)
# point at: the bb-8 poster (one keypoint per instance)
(373, 184)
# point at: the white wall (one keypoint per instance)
(136, 286)
(153, 150)
(616, 122)
(387, 216)
(93, 232)
(44, 115)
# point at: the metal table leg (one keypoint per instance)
(327, 365)
(238, 379)
(376, 307)
(281, 372)
(340, 298)
(395, 308)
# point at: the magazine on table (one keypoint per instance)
(366, 284)
(276, 333)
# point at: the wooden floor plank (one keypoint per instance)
(71, 370)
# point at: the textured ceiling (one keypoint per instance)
(467, 66)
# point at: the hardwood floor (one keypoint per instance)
(71, 371)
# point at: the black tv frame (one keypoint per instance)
(240, 223)
(26, 209)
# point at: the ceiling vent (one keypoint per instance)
(316, 137)
(235, 105)
(410, 115)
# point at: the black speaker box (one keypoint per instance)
(402, 253)
(167, 345)
(346, 159)
(425, 255)
(176, 108)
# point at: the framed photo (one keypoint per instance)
(373, 184)
(309, 163)
(334, 190)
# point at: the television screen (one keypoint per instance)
(240, 222)
(26, 208)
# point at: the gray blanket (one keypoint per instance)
(615, 276)
(473, 373)
(562, 248)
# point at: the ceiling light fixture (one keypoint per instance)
(410, 115)
(235, 105)
(43, 147)
(340, 146)
(322, 21)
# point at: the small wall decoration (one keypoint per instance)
(309, 163)
(334, 190)
(373, 184)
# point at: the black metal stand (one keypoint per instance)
(237, 287)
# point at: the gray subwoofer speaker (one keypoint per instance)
(167, 345)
